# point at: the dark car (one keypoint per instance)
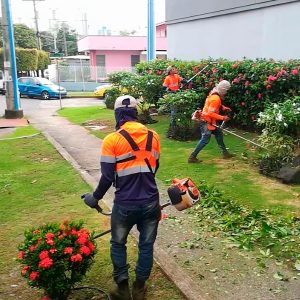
(40, 87)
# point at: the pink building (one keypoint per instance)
(115, 53)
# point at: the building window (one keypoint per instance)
(135, 59)
(100, 60)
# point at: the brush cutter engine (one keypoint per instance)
(183, 193)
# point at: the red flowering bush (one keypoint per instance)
(54, 257)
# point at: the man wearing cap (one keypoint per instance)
(208, 120)
(129, 161)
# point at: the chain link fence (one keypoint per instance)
(82, 77)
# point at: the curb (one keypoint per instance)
(189, 289)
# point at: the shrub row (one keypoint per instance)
(255, 83)
(29, 59)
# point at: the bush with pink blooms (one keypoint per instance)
(54, 257)
(254, 83)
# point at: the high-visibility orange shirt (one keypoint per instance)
(211, 110)
(133, 179)
(172, 82)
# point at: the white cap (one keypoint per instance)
(126, 101)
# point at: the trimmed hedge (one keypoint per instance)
(255, 83)
(29, 59)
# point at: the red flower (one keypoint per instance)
(34, 275)
(68, 250)
(235, 81)
(73, 231)
(272, 78)
(243, 103)
(91, 246)
(25, 270)
(21, 255)
(46, 298)
(35, 231)
(221, 79)
(49, 236)
(234, 66)
(52, 250)
(158, 72)
(50, 242)
(76, 258)
(247, 83)
(259, 96)
(32, 248)
(253, 118)
(44, 254)
(85, 250)
(295, 72)
(81, 240)
(46, 263)
(268, 86)
(62, 227)
(214, 70)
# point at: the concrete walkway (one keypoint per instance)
(82, 150)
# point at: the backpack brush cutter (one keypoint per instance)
(183, 194)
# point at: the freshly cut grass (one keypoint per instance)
(237, 178)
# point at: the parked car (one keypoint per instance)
(101, 90)
(2, 83)
(40, 87)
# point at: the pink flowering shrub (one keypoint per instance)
(56, 256)
(254, 83)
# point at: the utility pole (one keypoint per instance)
(65, 39)
(38, 37)
(13, 110)
(151, 32)
(84, 25)
(54, 29)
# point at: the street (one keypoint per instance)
(31, 106)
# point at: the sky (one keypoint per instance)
(114, 15)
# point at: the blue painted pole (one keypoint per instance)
(12, 56)
(151, 32)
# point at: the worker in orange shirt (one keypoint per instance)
(208, 119)
(129, 161)
(172, 84)
(172, 81)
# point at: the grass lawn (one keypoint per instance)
(237, 178)
(38, 186)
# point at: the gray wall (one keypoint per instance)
(216, 28)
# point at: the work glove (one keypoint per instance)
(226, 118)
(90, 200)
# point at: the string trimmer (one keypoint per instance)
(183, 194)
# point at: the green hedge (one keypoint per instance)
(29, 59)
(255, 83)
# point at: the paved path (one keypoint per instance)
(82, 149)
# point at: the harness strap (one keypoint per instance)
(130, 140)
(135, 147)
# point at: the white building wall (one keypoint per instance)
(271, 32)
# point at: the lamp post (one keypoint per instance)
(151, 32)
(13, 110)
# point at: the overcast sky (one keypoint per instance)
(112, 14)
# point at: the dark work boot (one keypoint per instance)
(227, 155)
(138, 290)
(193, 159)
(122, 292)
